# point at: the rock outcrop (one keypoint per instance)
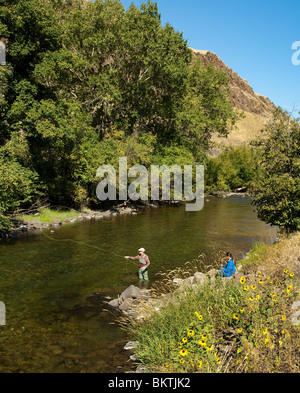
(257, 108)
(242, 95)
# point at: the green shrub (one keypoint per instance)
(236, 167)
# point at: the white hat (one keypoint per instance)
(142, 250)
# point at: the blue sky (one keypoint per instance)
(254, 38)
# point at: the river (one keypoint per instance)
(53, 284)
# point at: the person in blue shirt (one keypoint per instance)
(229, 268)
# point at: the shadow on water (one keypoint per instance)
(55, 285)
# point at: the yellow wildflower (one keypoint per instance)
(191, 333)
(242, 280)
(246, 288)
(202, 343)
(183, 352)
(184, 340)
(265, 331)
(236, 316)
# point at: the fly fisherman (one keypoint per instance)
(144, 263)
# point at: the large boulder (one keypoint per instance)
(135, 293)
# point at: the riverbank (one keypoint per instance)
(206, 324)
(45, 218)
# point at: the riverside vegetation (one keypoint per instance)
(246, 324)
(88, 82)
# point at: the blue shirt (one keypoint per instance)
(229, 269)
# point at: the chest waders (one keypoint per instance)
(143, 275)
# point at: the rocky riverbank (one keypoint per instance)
(140, 304)
(20, 227)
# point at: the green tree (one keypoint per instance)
(205, 108)
(276, 195)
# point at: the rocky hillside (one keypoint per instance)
(257, 108)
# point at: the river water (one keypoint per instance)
(53, 284)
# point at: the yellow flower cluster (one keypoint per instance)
(261, 320)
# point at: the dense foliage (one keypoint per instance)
(235, 168)
(88, 82)
(276, 195)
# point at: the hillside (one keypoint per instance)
(257, 108)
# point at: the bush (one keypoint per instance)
(234, 168)
(18, 186)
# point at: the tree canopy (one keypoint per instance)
(276, 195)
(88, 82)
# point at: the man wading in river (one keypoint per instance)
(144, 263)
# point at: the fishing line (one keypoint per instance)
(87, 245)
